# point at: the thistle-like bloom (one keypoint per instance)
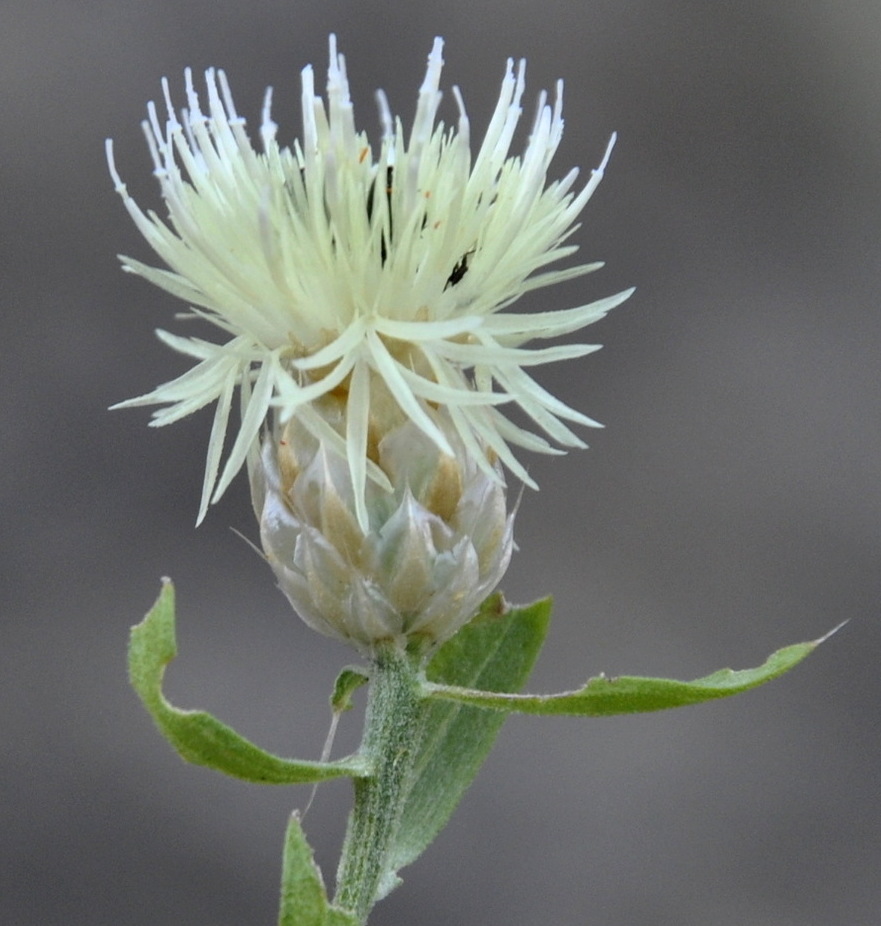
(335, 268)
(433, 549)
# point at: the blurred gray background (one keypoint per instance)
(730, 506)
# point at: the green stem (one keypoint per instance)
(391, 734)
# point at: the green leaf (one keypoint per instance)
(497, 650)
(625, 694)
(197, 736)
(303, 897)
(350, 679)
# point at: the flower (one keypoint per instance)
(337, 269)
(434, 547)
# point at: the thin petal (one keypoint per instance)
(215, 442)
(520, 384)
(291, 396)
(417, 331)
(460, 395)
(357, 420)
(351, 338)
(490, 353)
(553, 324)
(485, 428)
(252, 421)
(403, 394)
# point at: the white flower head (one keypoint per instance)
(337, 267)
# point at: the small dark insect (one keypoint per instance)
(459, 270)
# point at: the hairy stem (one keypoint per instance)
(390, 743)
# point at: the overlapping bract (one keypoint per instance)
(435, 547)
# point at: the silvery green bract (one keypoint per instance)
(437, 544)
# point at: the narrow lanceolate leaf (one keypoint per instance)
(303, 897)
(624, 694)
(496, 650)
(197, 736)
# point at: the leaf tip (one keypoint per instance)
(830, 633)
